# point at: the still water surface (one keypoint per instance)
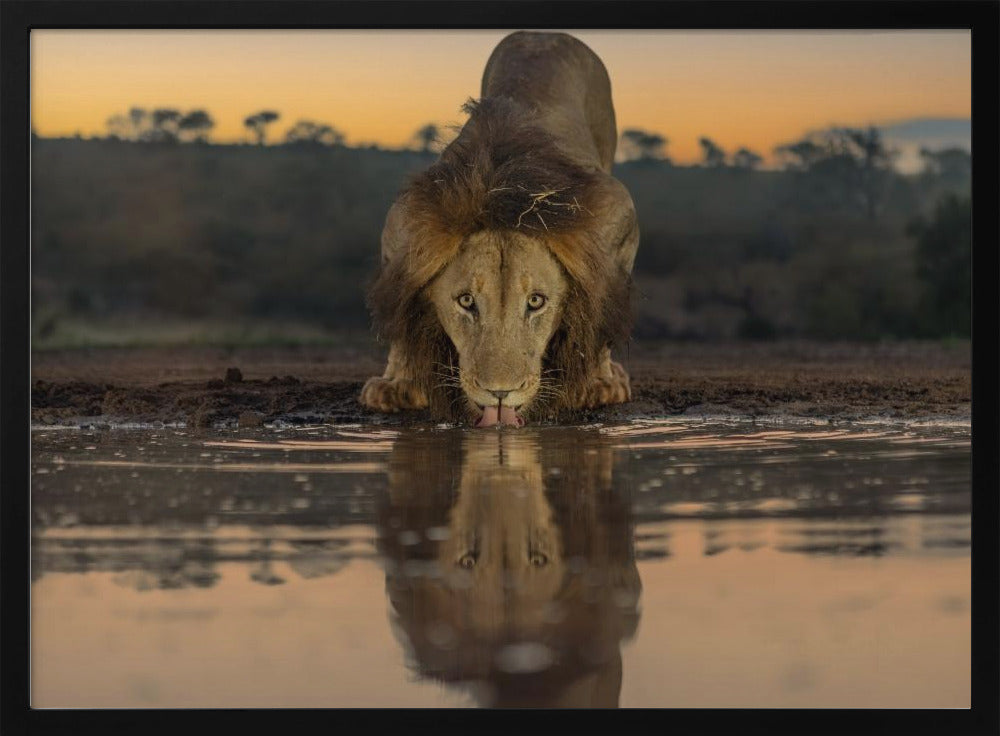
(655, 564)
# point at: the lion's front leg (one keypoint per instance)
(609, 384)
(394, 390)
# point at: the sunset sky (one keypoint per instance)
(740, 88)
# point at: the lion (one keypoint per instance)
(505, 276)
(510, 565)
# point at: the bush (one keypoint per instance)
(944, 266)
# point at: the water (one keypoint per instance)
(656, 564)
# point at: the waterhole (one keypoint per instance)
(671, 563)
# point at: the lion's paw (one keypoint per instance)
(620, 375)
(392, 394)
(614, 390)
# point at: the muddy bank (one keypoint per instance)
(216, 386)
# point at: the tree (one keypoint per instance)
(307, 131)
(128, 127)
(164, 126)
(166, 117)
(952, 165)
(119, 128)
(641, 145)
(865, 144)
(744, 158)
(258, 122)
(801, 155)
(195, 124)
(712, 153)
(851, 164)
(139, 119)
(873, 158)
(944, 265)
(427, 136)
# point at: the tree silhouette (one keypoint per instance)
(307, 131)
(744, 158)
(712, 153)
(854, 162)
(164, 126)
(258, 122)
(165, 117)
(427, 136)
(873, 159)
(641, 145)
(865, 144)
(119, 128)
(131, 126)
(801, 155)
(195, 125)
(139, 120)
(953, 165)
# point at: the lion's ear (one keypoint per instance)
(415, 244)
(395, 232)
(617, 229)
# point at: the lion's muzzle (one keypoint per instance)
(499, 406)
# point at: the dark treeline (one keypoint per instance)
(835, 245)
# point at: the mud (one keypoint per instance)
(245, 387)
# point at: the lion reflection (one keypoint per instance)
(509, 565)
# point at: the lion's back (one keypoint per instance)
(562, 78)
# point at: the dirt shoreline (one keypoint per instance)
(838, 381)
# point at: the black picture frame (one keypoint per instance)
(20, 17)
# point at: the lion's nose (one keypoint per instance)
(501, 395)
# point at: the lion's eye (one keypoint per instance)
(465, 301)
(536, 302)
(467, 561)
(538, 559)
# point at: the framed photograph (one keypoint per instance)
(408, 361)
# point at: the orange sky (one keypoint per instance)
(740, 88)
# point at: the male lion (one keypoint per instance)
(506, 266)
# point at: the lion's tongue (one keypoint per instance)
(489, 417)
(505, 415)
(509, 416)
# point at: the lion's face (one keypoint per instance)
(500, 301)
(503, 553)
